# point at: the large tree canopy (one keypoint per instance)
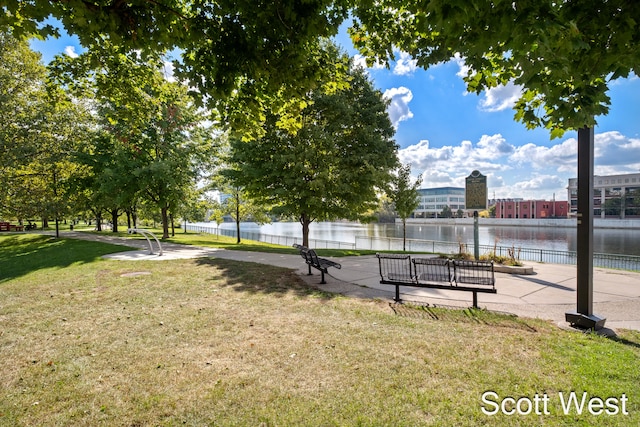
(563, 53)
(333, 167)
(259, 53)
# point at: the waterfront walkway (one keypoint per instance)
(547, 294)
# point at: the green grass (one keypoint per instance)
(226, 242)
(24, 253)
(89, 341)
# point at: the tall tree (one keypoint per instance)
(333, 167)
(563, 54)
(240, 208)
(40, 127)
(405, 197)
(154, 141)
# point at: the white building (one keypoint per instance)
(434, 200)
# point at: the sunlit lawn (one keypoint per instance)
(89, 341)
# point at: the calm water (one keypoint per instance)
(605, 240)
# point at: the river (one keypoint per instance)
(613, 241)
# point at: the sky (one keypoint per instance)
(445, 133)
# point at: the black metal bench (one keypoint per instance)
(313, 260)
(438, 273)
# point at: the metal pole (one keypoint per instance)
(584, 316)
(476, 239)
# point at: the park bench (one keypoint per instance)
(437, 273)
(312, 259)
(7, 226)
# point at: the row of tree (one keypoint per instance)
(109, 134)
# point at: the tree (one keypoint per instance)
(446, 212)
(39, 129)
(257, 55)
(613, 206)
(563, 54)
(333, 167)
(405, 197)
(153, 144)
(241, 208)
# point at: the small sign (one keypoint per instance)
(476, 191)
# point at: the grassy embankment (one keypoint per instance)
(88, 341)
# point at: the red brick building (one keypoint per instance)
(535, 209)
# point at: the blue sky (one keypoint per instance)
(445, 133)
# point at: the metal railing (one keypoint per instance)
(271, 238)
(622, 262)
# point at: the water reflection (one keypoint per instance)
(605, 240)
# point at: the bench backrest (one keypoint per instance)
(433, 270)
(474, 272)
(396, 268)
(312, 257)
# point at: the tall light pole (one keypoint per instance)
(584, 316)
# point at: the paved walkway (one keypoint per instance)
(547, 294)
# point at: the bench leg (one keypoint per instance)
(475, 300)
(322, 282)
(310, 274)
(397, 298)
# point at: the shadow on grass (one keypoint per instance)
(460, 315)
(22, 254)
(255, 278)
(625, 341)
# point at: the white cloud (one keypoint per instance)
(361, 61)
(561, 156)
(537, 186)
(169, 71)
(495, 99)
(450, 165)
(501, 97)
(463, 68)
(405, 65)
(614, 153)
(71, 51)
(529, 171)
(398, 108)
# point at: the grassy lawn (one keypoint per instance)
(88, 341)
(226, 242)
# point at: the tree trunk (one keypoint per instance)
(165, 223)
(404, 234)
(305, 221)
(114, 220)
(238, 217)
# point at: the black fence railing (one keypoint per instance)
(622, 262)
(270, 238)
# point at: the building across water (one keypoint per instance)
(433, 201)
(531, 209)
(614, 196)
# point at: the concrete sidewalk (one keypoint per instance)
(547, 294)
